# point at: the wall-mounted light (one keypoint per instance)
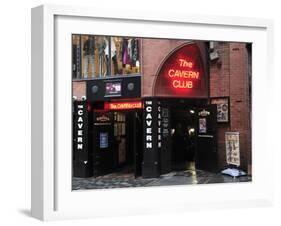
(191, 131)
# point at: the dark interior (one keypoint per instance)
(183, 133)
(117, 142)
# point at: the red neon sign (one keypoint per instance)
(182, 74)
(123, 105)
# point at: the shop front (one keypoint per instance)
(153, 116)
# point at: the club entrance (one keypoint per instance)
(193, 135)
(183, 135)
(138, 139)
(116, 131)
(179, 134)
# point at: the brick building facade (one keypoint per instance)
(228, 74)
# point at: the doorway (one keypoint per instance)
(193, 135)
(116, 138)
(183, 136)
(128, 142)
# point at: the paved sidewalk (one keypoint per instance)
(187, 177)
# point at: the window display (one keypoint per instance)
(88, 56)
(76, 54)
(102, 56)
(116, 55)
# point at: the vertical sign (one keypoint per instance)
(165, 154)
(159, 125)
(148, 143)
(165, 122)
(152, 138)
(80, 139)
(232, 148)
(81, 121)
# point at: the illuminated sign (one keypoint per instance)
(148, 124)
(183, 73)
(80, 126)
(123, 105)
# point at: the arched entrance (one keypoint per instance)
(180, 93)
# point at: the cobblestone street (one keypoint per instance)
(188, 177)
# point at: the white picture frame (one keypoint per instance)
(52, 197)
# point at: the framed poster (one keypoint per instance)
(52, 29)
(223, 108)
(103, 140)
(232, 148)
(202, 125)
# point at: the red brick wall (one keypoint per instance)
(229, 77)
(154, 51)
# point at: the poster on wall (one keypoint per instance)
(232, 148)
(202, 125)
(222, 108)
(103, 140)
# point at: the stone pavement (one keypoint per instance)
(188, 177)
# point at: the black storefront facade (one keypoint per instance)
(117, 126)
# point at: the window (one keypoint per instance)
(103, 56)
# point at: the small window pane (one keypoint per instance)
(130, 55)
(76, 54)
(88, 56)
(116, 55)
(103, 56)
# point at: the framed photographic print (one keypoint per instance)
(122, 121)
(223, 113)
